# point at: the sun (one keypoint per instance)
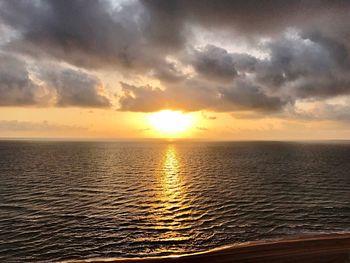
(170, 122)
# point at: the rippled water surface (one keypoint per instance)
(70, 200)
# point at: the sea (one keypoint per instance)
(78, 200)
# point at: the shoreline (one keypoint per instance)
(333, 248)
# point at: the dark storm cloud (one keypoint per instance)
(251, 16)
(217, 64)
(305, 46)
(305, 68)
(247, 95)
(92, 33)
(214, 63)
(67, 30)
(87, 33)
(297, 68)
(337, 50)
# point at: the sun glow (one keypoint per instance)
(171, 122)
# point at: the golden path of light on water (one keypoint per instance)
(172, 195)
(171, 178)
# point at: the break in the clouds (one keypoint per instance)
(263, 57)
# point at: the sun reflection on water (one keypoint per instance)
(173, 210)
(171, 213)
(171, 180)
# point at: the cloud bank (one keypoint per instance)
(295, 51)
(47, 85)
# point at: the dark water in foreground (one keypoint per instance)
(70, 200)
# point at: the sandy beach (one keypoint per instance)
(333, 248)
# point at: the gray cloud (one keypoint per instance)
(247, 95)
(188, 95)
(217, 64)
(214, 63)
(75, 88)
(168, 73)
(16, 87)
(334, 112)
(323, 112)
(306, 47)
(298, 65)
(252, 17)
(194, 95)
(47, 85)
(87, 33)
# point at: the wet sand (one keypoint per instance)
(333, 248)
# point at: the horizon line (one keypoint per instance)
(92, 139)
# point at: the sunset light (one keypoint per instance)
(171, 122)
(175, 131)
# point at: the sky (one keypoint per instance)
(238, 70)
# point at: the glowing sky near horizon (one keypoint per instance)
(179, 69)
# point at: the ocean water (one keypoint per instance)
(75, 200)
